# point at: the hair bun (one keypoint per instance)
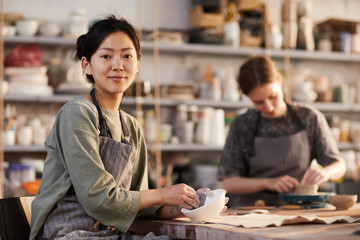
(80, 44)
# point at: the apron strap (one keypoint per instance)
(295, 116)
(125, 131)
(104, 128)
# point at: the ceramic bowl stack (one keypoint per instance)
(28, 81)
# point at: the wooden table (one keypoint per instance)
(187, 230)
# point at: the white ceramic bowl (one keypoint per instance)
(214, 203)
(343, 202)
(27, 27)
(50, 29)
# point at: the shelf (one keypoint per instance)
(50, 41)
(164, 148)
(24, 149)
(221, 50)
(148, 102)
(56, 98)
(129, 101)
(203, 49)
(188, 148)
(349, 146)
(198, 102)
(336, 107)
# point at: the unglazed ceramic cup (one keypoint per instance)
(303, 189)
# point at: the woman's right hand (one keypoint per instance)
(281, 184)
(180, 195)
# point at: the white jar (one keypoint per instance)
(25, 136)
(79, 23)
(232, 34)
(166, 132)
(39, 136)
(217, 136)
(9, 137)
(150, 126)
(203, 128)
(186, 135)
(276, 37)
(28, 173)
(15, 174)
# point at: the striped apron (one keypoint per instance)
(275, 157)
(68, 220)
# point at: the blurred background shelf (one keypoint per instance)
(166, 102)
(197, 48)
(166, 147)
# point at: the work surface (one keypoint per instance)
(185, 229)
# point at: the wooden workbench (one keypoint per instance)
(179, 229)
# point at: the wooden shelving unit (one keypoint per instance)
(181, 50)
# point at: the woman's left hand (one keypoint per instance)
(315, 176)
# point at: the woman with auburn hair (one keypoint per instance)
(270, 147)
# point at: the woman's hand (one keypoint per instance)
(315, 176)
(226, 201)
(180, 195)
(281, 184)
(170, 211)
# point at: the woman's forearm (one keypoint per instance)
(336, 170)
(169, 212)
(150, 198)
(241, 185)
(180, 195)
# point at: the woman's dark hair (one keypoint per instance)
(257, 71)
(88, 43)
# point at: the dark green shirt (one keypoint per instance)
(239, 143)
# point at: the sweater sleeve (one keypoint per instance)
(139, 159)
(78, 145)
(325, 149)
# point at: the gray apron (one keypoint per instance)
(68, 217)
(275, 157)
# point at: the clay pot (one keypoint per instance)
(303, 189)
(343, 202)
